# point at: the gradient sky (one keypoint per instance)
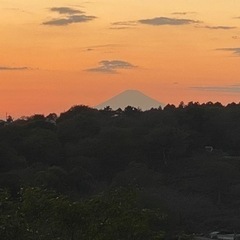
(56, 54)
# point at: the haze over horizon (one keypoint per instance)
(56, 54)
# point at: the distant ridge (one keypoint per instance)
(132, 98)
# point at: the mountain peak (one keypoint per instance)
(131, 91)
(130, 97)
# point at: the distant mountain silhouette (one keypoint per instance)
(132, 98)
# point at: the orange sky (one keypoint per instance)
(58, 53)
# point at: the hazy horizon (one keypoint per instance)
(129, 97)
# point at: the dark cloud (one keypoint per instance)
(154, 22)
(235, 51)
(7, 68)
(220, 27)
(66, 10)
(72, 15)
(167, 21)
(69, 20)
(112, 66)
(227, 88)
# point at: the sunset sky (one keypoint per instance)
(59, 53)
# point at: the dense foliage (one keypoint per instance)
(183, 162)
(38, 214)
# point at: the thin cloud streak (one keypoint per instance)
(105, 45)
(219, 27)
(7, 68)
(235, 37)
(124, 25)
(228, 88)
(101, 47)
(183, 13)
(127, 23)
(235, 51)
(120, 28)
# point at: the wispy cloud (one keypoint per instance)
(111, 66)
(72, 15)
(167, 21)
(8, 68)
(18, 10)
(235, 51)
(124, 25)
(104, 47)
(219, 27)
(183, 13)
(120, 28)
(66, 10)
(235, 37)
(235, 88)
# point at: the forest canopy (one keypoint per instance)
(161, 171)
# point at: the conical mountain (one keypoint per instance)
(132, 98)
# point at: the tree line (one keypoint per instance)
(182, 162)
